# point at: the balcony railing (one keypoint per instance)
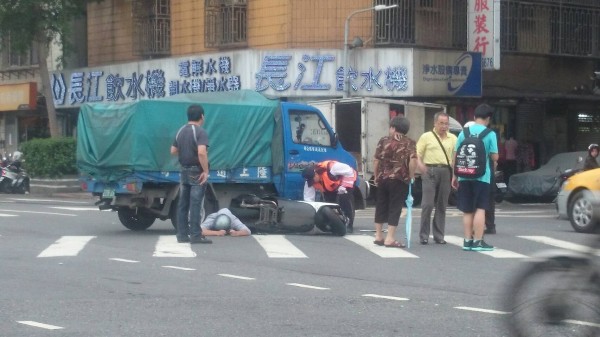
(226, 23)
(422, 23)
(565, 28)
(544, 27)
(151, 28)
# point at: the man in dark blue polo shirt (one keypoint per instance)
(190, 144)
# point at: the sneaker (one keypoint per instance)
(200, 239)
(490, 231)
(481, 246)
(467, 244)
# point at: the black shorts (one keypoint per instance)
(391, 196)
(472, 195)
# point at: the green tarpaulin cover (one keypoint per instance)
(115, 140)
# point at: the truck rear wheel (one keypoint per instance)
(135, 219)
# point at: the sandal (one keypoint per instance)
(379, 242)
(395, 244)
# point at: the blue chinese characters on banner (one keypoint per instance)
(195, 75)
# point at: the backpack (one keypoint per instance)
(471, 157)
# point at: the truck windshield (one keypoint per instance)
(308, 128)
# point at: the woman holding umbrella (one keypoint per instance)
(394, 166)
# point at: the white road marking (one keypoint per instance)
(366, 242)
(386, 297)
(487, 311)
(78, 208)
(547, 216)
(572, 321)
(66, 246)
(123, 260)
(7, 215)
(179, 268)
(277, 246)
(34, 212)
(237, 277)
(497, 252)
(167, 246)
(557, 243)
(52, 200)
(41, 325)
(521, 212)
(306, 286)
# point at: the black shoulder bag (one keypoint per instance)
(443, 150)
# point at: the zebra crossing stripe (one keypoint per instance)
(497, 252)
(66, 246)
(557, 243)
(167, 246)
(366, 242)
(277, 246)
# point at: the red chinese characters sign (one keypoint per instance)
(484, 31)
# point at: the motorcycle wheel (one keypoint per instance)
(23, 188)
(554, 297)
(135, 219)
(4, 186)
(327, 220)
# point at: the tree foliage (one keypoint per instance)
(40, 22)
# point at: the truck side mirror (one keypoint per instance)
(334, 140)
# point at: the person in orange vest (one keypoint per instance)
(336, 181)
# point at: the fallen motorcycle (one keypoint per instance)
(277, 215)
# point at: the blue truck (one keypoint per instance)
(257, 149)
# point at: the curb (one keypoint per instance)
(52, 187)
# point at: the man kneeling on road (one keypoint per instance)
(336, 181)
(223, 223)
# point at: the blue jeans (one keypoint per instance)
(191, 200)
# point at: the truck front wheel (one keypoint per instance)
(135, 219)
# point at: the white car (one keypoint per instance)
(579, 200)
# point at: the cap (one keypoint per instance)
(309, 174)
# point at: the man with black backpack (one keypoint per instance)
(475, 158)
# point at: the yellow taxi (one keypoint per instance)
(579, 200)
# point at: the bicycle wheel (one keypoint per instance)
(554, 298)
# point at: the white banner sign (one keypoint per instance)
(483, 26)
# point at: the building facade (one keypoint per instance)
(544, 76)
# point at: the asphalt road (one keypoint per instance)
(68, 269)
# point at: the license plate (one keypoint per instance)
(108, 193)
(501, 185)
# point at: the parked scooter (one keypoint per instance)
(14, 179)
